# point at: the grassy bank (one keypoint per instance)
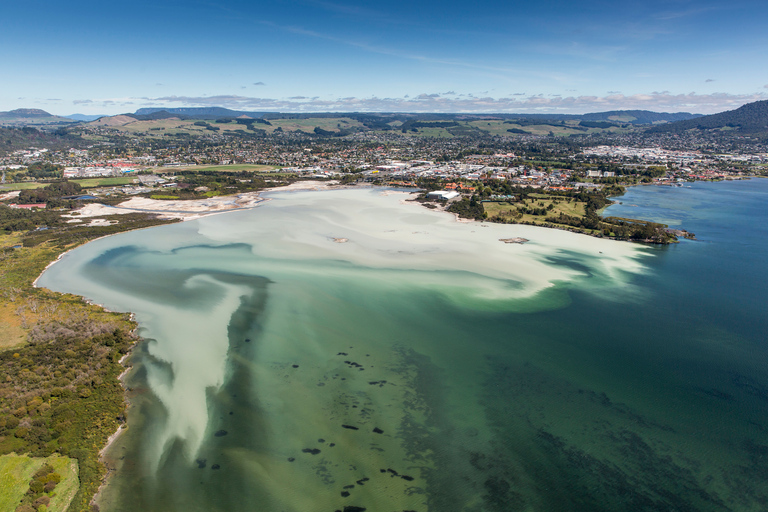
(59, 360)
(18, 487)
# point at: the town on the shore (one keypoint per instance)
(391, 163)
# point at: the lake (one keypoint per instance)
(350, 349)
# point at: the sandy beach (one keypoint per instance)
(191, 209)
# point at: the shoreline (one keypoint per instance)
(300, 186)
(103, 456)
(103, 451)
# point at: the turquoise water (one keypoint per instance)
(569, 373)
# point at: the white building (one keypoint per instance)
(442, 195)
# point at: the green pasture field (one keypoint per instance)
(440, 133)
(506, 210)
(569, 128)
(16, 472)
(8, 187)
(331, 124)
(103, 182)
(494, 127)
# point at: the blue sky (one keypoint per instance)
(98, 57)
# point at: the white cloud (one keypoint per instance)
(655, 101)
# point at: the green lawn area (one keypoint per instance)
(569, 128)
(441, 133)
(16, 472)
(69, 485)
(21, 186)
(308, 125)
(493, 127)
(103, 182)
(506, 210)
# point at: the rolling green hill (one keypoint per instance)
(750, 119)
(12, 139)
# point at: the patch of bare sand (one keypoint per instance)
(101, 222)
(396, 192)
(307, 185)
(194, 208)
(10, 195)
(171, 209)
(95, 210)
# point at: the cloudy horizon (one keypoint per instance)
(551, 56)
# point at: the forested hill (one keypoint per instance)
(612, 116)
(12, 139)
(639, 116)
(751, 118)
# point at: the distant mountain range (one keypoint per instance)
(24, 112)
(85, 117)
(193, 113)
(31, 116)
(636, 117)
(750, 119)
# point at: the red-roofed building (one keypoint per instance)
(27, 206)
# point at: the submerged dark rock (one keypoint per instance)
(291, 459)
(406, 477)
(221, 433)
(215, 466)
(313, 451)
(377, 430)
(344, 494)
(294, 366)
(350, 427)
(247, 340)
(201, 463)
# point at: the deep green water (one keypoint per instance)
(639, 390)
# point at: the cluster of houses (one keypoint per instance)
(520, 175)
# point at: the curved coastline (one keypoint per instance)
(115, 437)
